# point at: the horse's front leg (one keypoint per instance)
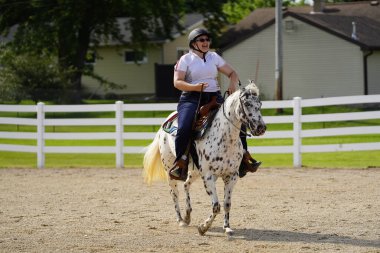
(209, 183)
(229, 183)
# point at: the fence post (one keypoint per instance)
(119, 115)
(297, 128)
(40, 135)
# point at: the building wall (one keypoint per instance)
(170, 49)
(318, 64)
(138, 78)
(374, 73)
(315, 63)
(253, 59)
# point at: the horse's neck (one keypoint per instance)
(229, 120)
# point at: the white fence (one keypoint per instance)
(119, 122)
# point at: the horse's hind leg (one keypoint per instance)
(190, 179)
(209, 183)
(174, 193)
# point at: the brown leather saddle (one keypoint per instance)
(205, 116)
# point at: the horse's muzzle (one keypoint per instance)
(260, 130)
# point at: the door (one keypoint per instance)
(164, 83)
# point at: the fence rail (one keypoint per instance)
(119, 121)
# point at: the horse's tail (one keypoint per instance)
(153, 168)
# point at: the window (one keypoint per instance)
(135, 57)
(181, 51)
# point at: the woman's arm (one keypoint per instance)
(181, 84)
(227, 70)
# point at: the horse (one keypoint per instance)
(220, 153)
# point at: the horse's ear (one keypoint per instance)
(254, 88)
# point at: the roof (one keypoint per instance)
(336, 19)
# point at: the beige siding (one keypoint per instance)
(139, 79)
(315, 63)
(374, 73)
(171, 47)
(253, 59)
(318, 64)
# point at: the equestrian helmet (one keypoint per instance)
(194, 34)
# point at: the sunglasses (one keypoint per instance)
(203, 40)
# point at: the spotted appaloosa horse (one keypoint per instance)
(220, 152)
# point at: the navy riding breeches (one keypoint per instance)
(187, 106)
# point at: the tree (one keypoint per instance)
(68, 29)
(236, 10)
(30, 76)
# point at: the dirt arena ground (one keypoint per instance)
(112, 210)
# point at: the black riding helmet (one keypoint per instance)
(193, 35)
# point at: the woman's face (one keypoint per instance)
(202, 43)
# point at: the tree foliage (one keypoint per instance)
(68, 29)
(236, 10)
(31, 76)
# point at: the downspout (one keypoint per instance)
(365, 64)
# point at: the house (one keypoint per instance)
(152, 76)
(328, 50)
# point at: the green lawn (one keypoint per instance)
(358, 159)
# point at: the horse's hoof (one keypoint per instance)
(201, 230)
(187, 221)
(182, 224)
(229, 232)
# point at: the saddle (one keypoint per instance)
(205, 116)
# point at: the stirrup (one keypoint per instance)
(179, 170)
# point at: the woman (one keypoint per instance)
(197, 71)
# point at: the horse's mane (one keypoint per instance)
(252, 86)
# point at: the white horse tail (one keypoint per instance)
(153, 168)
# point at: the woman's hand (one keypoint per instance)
(200, 86)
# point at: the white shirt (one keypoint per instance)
(197, 70)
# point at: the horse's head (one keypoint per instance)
(249, 109)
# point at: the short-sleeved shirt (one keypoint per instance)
(197, 70)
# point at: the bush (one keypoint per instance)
(30, 76)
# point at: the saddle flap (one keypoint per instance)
(203, 124)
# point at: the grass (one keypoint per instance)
(358, 159)
(362, 159)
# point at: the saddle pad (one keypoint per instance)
(169, 126)
(201, 126)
